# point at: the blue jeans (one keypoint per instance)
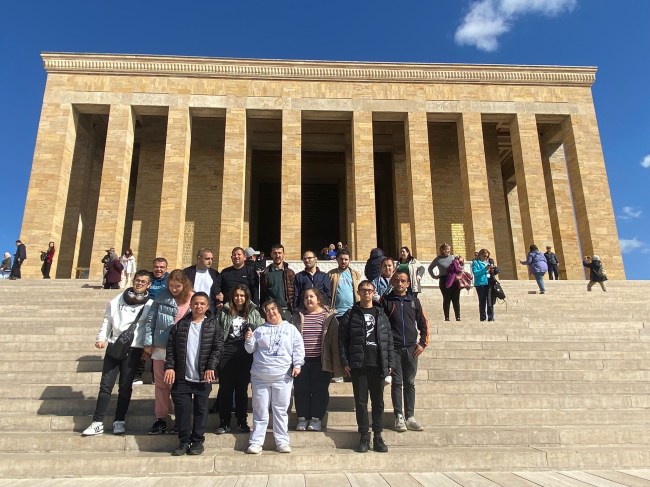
(539, 277)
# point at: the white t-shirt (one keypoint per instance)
(203, 281)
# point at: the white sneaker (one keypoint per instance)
(400, 425)
(118, 427)
(284, 449)
(302, 424)
(413, 425)
(337, 380)
(95, 428)
(254, 449)
(315, 424)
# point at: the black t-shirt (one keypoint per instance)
(371, 358)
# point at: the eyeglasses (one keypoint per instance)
(366, 291)
(141, 281)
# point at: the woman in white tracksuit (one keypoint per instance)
(278, 354)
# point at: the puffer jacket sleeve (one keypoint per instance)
(344, 338)
(170, 358)
(217, 348)
(150, 323)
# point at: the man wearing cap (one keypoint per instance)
(237, 273)
(551, 260)
(251, 256)
(312, 277)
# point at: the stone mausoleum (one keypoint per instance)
(166, 155)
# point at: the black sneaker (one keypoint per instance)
(378, 444)
(159, 427)
(364, 443)
(196, 448)
(181, 450)
(223, 428)
(243, 427)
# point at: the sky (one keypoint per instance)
(602, 33)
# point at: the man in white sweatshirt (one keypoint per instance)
(278, 355)
(123, 310)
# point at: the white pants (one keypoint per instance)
(276, 394)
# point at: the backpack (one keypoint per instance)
(601, 271)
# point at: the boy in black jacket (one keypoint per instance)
(410, 337)
(193, 352)
(366, 353)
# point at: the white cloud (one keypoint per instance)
(486, 20)
(630, 212)
(645, 162)
(629, 245)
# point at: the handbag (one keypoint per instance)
(497, 290)
(120, 349)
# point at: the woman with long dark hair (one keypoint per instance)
(409, 264)
(438, 270)
(47, 261)
(237, 316)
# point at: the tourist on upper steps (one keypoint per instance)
(113, 271)
(5, 267)
(128, 263)
(552, 263)
(438, 270)
(596, 272)
(373, 264)
(311, 277)
(127, 308)
(481, 268)
(409, 264)
(537, 266)
(277, 282)
(382, 283)
(47, 257)
(19, 257)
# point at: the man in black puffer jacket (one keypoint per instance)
(367, 354)
(193, 351)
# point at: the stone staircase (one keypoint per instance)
(559, 381)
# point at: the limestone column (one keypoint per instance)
(535, 220)
(246, 235)
(502, 252)
(291, 184)
(114, 189)
(401, 187)
(48, 184)
(519, 247)
(565, 236)
(361, 193)
(173, 198)
(474, 183)
(593, 204)
(233, 194)
(418, 165)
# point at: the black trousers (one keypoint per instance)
(450, 295)
(311, 389)
(15, 269)
(234, 377)
(125, 368)
(45, 269)
(552, 272)
(191, 398)
(364, 381)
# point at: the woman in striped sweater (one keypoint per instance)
(320, 332)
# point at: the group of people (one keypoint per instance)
(198, 325)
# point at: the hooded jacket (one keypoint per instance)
(373, 264)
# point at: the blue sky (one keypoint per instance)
(602, 33)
